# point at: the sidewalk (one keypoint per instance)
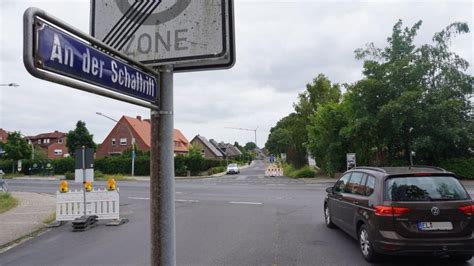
(27, 217)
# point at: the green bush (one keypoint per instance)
(216, 170)
(288, 169)
(6, 166)
(69, 176)
(98, 174)
(180, 167)
(462, 167)
(63, 165)
(306, 171)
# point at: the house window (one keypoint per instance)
(123, 141)
(46, 140)
(113, 142)
(39, 141)
(60, 141)
(58, 152)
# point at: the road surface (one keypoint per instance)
(244, 219)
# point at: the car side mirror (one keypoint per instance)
(330, 190)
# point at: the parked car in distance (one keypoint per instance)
(417, 210)
(233, 168)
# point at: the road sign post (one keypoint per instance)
(162, 211)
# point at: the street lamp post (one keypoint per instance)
(131, 135)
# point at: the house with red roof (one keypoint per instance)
(53, 143)
(120, 137)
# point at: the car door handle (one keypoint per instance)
(356, 202)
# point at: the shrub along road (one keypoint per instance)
(244, 219)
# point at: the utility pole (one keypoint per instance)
(247, 129)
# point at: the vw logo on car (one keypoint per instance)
(435, 211)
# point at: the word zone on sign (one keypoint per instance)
(65, 55)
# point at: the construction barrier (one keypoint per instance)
(102, 203)
(273, 170)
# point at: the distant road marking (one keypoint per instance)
(184, 200)
(138, 198)
(245, 202)
(178, 192)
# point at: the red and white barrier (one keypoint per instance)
(273, 171)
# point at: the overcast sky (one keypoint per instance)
(281, 46)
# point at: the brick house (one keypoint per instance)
(208, 150)
(3, 136)
(120, 138)
(53, 143)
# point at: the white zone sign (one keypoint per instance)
(189, 34)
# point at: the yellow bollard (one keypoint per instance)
(111, 184)
(63, 187)
(88, 186)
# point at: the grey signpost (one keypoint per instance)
(192, 35)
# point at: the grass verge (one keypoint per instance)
(7, 202)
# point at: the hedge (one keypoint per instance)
(462, 167)
(122, 165)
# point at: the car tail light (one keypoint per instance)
(390, 211)
(468, 210)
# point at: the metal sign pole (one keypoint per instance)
(84, 178)
(162, 212)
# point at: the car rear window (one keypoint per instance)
(424, 188)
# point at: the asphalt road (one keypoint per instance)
(243, 219)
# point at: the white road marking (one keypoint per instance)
(241, 178)
(245, 202)
(178, 192)
(184, 200)
(137, 198)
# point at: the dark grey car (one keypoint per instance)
(403, 211)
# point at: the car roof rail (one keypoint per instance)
(428, 166)
(370, 168)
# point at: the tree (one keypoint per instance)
(291, 130)
(79, 137)
(327, 139)
(250, 146)
(413, 98)
(195, 159)
(16, 148)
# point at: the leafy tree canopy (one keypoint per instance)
(16, 147)
(79, 137)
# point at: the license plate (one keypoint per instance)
(435, 226)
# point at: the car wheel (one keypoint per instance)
(327, 217)
(461, 258)
(366, 246)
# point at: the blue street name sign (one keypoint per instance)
(64, 54)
